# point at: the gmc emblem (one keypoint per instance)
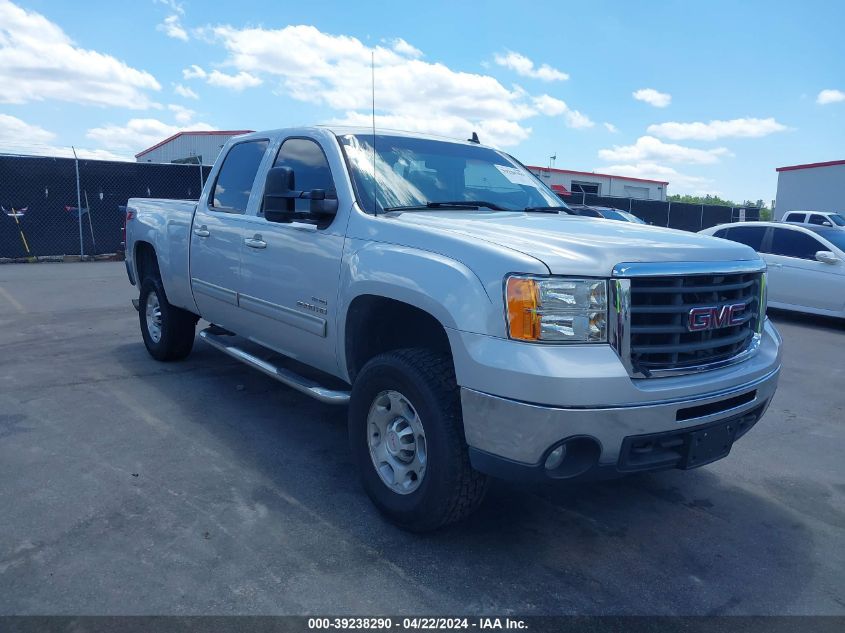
(712, 318)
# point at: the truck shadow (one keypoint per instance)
(813, 321)
(674, 542)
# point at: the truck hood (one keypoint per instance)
(573, 245)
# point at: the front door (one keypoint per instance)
(796, 277)
(290, 270)
(217, 234)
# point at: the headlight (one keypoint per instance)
(556, 309)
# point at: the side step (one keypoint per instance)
(284, 376)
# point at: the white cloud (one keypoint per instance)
(577, 120)
(222, 80)
(138, 134)
(181, 113)
(38, 61)
(403, 48)
(653, 97)
(233, 82)
(550, 106)
(525, 67)
(333, 71)
(649, 148)
(172, 27)
(184, 91)
(194, 72)
(176, 7)
(20, 137)
(682, 183)
(830, 96)
(14, 130)
(735, 128)
(610, 127)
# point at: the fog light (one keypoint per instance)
(555, 458)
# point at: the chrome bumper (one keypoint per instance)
(522, 432)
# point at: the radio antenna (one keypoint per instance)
(373, 86)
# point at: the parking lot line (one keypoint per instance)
(15, 303)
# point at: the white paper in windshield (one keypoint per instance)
(516, 176)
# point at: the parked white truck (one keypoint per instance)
(473, 328)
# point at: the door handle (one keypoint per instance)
(255, 241)
(202, 231)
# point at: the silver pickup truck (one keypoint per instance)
(472, 326)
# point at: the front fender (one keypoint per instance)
(443, 287)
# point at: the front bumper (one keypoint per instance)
(512, 437)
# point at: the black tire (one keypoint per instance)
(177, 326)
(450, 489)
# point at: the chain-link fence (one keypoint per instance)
(676, 215)
(41, 198)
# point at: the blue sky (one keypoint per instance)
(711, 96)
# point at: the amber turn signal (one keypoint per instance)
(523, 302)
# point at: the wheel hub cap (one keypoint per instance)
(153, 314)
(397, 442)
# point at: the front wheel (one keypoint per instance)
(168, 331)
(407, 437)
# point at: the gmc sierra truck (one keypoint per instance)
(471, 325)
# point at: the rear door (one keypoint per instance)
(217, 230)
(796, 277)
(291, 269)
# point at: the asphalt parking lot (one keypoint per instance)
(133, 487)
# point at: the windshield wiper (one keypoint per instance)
(545, 209)
(455, 204)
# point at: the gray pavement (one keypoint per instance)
(133, 487)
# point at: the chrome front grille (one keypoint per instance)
(686, 319)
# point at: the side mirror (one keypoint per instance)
(320, 204)
(827, 257)
(279, 194)
(826, 223)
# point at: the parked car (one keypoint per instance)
(806, 263)
(608, 213)
(436, 289)
(817, 218)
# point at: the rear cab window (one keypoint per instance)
(237, 177)
(795, 217)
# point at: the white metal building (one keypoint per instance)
(811, 187)
(189, 147)
(567, 181)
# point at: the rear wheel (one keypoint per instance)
(407, 437)
(168, 331)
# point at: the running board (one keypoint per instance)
(284, 376)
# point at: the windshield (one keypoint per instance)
(836, 237)
(415, 172)
(615, 214)
(837, 219)
(631, 217)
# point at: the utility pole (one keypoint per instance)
(78, 203)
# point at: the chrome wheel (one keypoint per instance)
(397, 443)
(153, 312)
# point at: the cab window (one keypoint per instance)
(796, 244)
(796, 217)
(310, 168)
(237, 176)
(820, 220)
